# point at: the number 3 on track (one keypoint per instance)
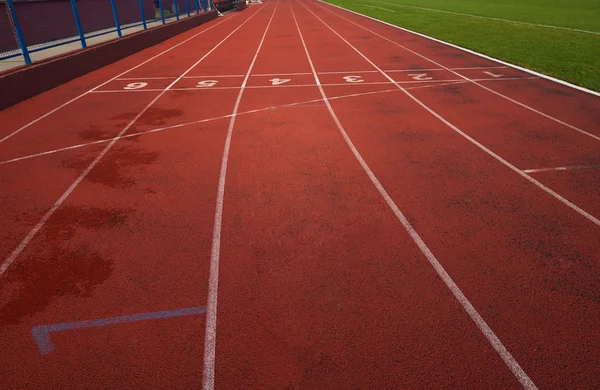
(135, 86)
(279, 81)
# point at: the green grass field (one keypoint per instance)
(561, 52)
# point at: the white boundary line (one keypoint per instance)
(466, 78)
(490, 18)
(549, 191)
(215, 76)
(302, 74)
(566, 168)
(210, 338)
(279, 74)
(112, 79)
(512, 364)
(558, 81)
(32, 233)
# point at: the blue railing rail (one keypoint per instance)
(35, 25)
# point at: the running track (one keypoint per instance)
(369, 209)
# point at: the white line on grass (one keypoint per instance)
(385, 9)
(553, 79)
(489, 18)
(15, 253)
(466, 78)
(210, 339)
(106, 82)
(506, 356)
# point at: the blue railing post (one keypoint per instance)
(142, 13)
(187, 7)
(176, 9)
(162, 11)
(18, 32)
(196, 5)
(114, 9)
(78, 23)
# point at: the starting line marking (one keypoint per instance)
(566, 168)
(41, 333)
(280, 83)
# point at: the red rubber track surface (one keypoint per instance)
(322, 281)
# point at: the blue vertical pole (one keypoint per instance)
(196, 5)
(78, 23)
(162, 11)
(19, 33)
(114, 9)
(187, 7)
(142, 13)
(176, 10)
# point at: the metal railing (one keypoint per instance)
(32, 26)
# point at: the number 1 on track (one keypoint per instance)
(277, 81)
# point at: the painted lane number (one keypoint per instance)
(135, 86)
(206, 83)
(277, 81)
(420, 76)
(354, 79)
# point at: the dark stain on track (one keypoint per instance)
(118, 168)
(157, 116)
(56, 268)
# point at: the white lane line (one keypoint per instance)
(565, 168)
(279, 74)
(145, 78)
(490, 18)
(210, 338)
(544, 76)
(549, 191)
(471, 80)
(15, 253)
(348, 72)
(373, 6)
(506, 356)
(215, 76)
(106, 82)
(303, 73)
(161, 129)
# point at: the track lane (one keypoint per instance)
(542, 300)
(319, 285)
(134, 237)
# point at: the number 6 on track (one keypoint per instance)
(135, 86)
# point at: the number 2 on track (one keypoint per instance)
(277, 81)
(135, 86)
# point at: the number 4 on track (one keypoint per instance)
(277, 81)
